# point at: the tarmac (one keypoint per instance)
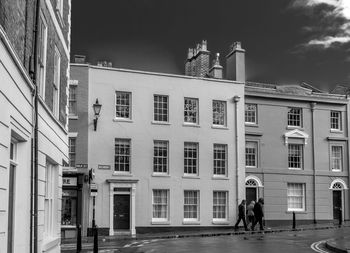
(339, 245)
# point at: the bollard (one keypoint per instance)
(95, 233)
(79, 239)
(294, 225)
(340, 217)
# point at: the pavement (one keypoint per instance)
(339, 244)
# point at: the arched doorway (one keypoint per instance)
(338, 186)
(252, 184)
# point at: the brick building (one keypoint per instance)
(33, 129)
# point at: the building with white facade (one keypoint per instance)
(167, 149)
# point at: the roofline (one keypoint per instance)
(314, 97)
(155, 73)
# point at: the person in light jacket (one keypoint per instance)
(250, 213)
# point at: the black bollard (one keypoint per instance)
(340, 217)
(294, 225)
(95, 232)
(79, 239)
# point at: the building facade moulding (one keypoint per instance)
(338, 184)
(296, 133)
(254, 178)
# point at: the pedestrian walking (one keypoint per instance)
(259, 214)
(250, 213)
(241, 215)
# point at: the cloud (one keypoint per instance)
(332, 22)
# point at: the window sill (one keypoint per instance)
(220, 222)
(123, 120)
(251, 167)
(191, 222)
(336, 171)
(337, 131)
(219, 177)
(251, 124)
(49, 243)
(190, 125)
(188, 176)
(295, 169)
(165, 123)
(160, 175)
(297, 211)
(153, 222)
(68, 226)
(125, 174)
(73, 117)
(219, 127)
(294, 127)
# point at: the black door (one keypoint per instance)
(336, 204)
(121, 211)
(250, 194)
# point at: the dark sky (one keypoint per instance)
(286, 41)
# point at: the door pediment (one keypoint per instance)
(296, 133)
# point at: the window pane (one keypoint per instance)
(336, 157)
(251, 154)
(219, 112)
(160, 157)
(295, 195)
(295, 117)
(190, 158)
(160, 108)
(123, 104)
(122, 155)
(220, 159)
(191, 110)
(219, 204)
(250, 113)
(191, 201)
(295, 156)
(160, 204)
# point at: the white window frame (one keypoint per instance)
(159, 107)
(333, 157)
(50, 202)
(218, 147)
(189, 204)
(73, 112)
(255, 146)
(129, 105)
(218, 116)
(125, 142)
(336, 120)
(294, 122)
(188, 118)
(251, 114)
(188, 159)
(154, 204)
(218, 205)
(41, 75)
(290, 195)
(56, 83)
(71, 151)
(161, 144)
(301, 150)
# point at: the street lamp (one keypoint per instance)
(97, 110)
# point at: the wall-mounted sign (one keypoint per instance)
(73, 82)
(93, 190)
(69, 181)
(81, 166)
(104, 167)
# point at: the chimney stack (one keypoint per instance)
(216, 70)
(197, 63)
(235, 63)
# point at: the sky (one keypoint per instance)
(286, 41)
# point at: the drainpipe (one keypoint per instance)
(346, 128)
(35, 211)
(236, 100)
(313, 105)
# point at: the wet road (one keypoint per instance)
(285, 242)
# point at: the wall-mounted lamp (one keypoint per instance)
(97, 110)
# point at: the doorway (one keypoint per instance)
(251, 194)
(121, 211)
(337, 204)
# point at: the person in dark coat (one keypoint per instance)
(241, 215)
(258, 213)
